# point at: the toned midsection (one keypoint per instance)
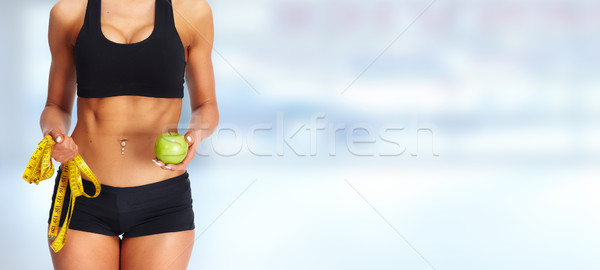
(102, 123)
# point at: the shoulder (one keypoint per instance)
(193, 9)
(68, 11)
(198, 13)
(66, 17)
(196, 16)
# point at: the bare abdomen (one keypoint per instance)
(103, 122)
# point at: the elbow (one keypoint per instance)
(52, 105)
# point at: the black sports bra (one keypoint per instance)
(153, 67)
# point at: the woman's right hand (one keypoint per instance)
(65, 148)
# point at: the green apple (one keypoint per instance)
(171, 148)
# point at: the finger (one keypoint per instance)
(57, 135)
(161, 164)
(66, 143)
(158, 162)
(190, 138)
(68, 146)
(176, 167)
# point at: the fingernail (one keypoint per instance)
(189, 139)
(59, 139)
(156, 162)
(168, 167)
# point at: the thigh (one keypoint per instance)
(86, 250)
(161, 251)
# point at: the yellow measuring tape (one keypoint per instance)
(40, 167)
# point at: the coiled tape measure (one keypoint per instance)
(40, 167)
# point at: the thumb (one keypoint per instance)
(57, 135)
(190, 138)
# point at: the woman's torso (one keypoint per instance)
(103, 122)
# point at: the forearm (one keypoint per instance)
(54, 118)
(204, 120)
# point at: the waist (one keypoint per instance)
(116, 137)
(118, 134)
(111, 145)
(121, 166)
(89, 187)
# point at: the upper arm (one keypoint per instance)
(64, 15)
(199, 70)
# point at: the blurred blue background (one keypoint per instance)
(479, 127)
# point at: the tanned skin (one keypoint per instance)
(102, 122)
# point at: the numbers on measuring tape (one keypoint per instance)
(40, 167)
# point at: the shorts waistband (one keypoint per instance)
(159, 184)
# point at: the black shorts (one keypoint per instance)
(164, 206)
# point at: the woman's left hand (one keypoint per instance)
(192, 145)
